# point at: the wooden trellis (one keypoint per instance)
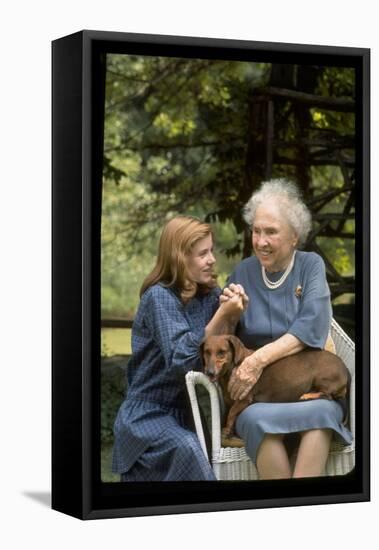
(268, 151)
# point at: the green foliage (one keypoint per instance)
(340, 252)
(106, 465)
(110, 403)
(177, 134)
(113, 387)
(338, 82)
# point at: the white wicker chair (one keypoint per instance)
(233, 463)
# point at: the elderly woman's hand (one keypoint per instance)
(232, 291)
(244, 378)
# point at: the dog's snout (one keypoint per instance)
(210, 370)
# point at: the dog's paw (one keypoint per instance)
(312, 395)
(226, 433)
(232, 441)
(228, 439)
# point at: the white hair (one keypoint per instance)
(290, 204)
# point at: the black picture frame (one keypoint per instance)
(77, 135)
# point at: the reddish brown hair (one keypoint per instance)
(178, 237)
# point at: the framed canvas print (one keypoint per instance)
(210, 275)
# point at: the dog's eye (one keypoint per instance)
(220, 353)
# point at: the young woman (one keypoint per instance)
(179, 306)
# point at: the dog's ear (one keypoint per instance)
(238, 348)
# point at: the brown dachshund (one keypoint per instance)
(308, 374)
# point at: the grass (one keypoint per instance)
(116, 341)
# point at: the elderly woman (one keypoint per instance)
(289, 309)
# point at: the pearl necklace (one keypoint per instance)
(279, 282)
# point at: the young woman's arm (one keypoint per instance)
(226, 316)
(166, 320)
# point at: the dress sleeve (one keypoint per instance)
(167, 323)
(312, 323)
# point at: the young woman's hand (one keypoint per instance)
(232, 306)
(233, 290)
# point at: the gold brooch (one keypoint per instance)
(298, 291)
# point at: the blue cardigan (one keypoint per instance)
(300, 306)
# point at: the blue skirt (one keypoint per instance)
(286, 418)
(153, 442)
(175, 456)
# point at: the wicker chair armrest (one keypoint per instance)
(345, 348)
(193, 378)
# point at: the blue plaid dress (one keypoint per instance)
(152, 439)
